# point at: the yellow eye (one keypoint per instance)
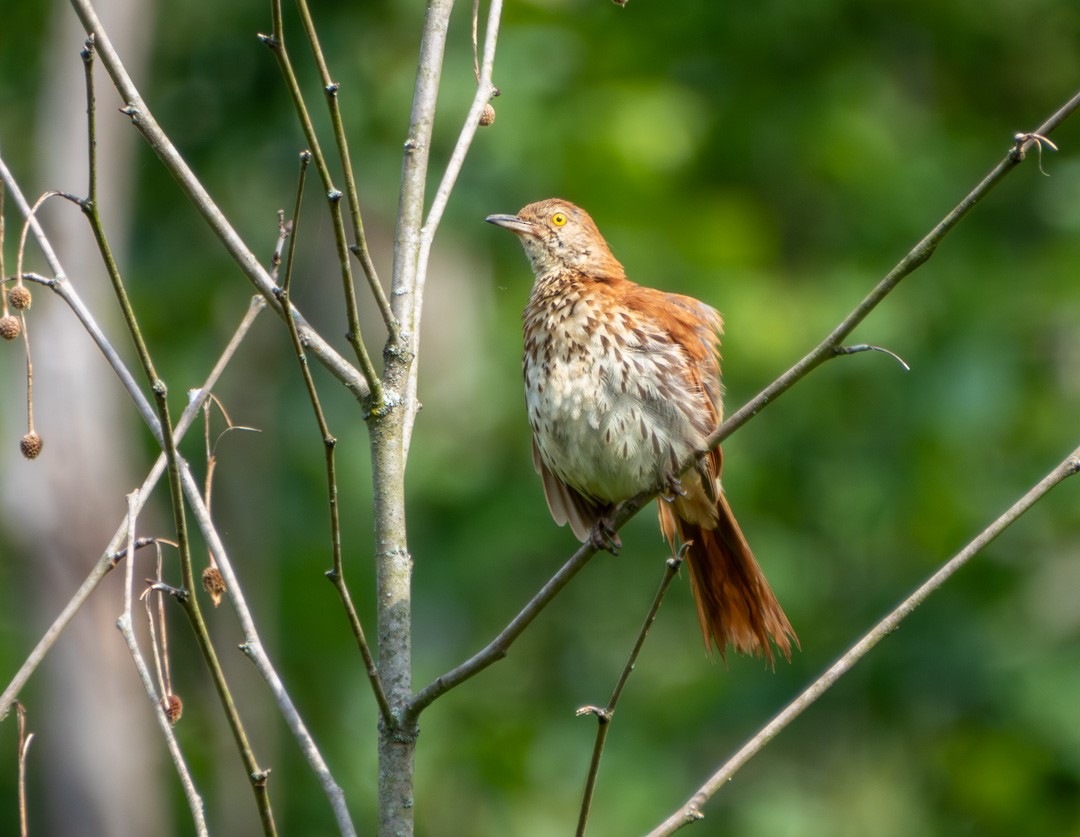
(558, 219)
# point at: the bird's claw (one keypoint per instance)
(672, 488)
(604, 538)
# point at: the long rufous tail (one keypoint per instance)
(734, 601)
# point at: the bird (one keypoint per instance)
(622, 390)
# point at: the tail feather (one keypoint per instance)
(735, 604)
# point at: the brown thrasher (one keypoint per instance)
(622, 385)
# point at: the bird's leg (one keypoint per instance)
(604, 537)
(707, 478)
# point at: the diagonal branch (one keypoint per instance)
(359, 248)
(604, 715)
(143, 120)
(276, 42)
(691, 811)
(830, 347)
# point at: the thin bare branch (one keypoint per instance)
(691, 811)
(333, 100)
(124, 623)
(113, 552)
(605, 715)
(337, 573)
(24, 751)
(484, 91)
(499, 647)
(914, 259)
(276, 42)
(143, 120)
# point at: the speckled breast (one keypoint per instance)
(605, 392)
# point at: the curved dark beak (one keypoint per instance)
(512, 223)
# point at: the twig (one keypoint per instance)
(124, 623)
(691, 811)
(24, 750)
(497, 648)
(143, 120)
(167, 439)
(337, 574)
(605, 715)
(333, 101)
(276, 42)
(866, 347)
(484, 91)
(113, 552)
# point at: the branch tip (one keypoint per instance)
(866, 347)
(602, 715)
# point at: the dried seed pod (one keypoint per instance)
(19, 297)
(173, 707)
(30, 445)
(214, 583)
(10, 327)
(487, 115)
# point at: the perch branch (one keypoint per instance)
(498, 647)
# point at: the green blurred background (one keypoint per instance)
(773, 159)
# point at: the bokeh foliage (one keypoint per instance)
(771, 158)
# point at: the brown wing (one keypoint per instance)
(565, 504)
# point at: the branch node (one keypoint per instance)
(1020, 146)
(332, 88)
(865, 347)
(178, 593)
(602, 715)
(258, 778)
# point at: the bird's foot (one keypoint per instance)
(604, 537)
(671, 488)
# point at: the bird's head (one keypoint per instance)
(558, 236)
